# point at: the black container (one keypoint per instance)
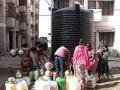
(69, 25)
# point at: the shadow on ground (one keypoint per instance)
(113, 83)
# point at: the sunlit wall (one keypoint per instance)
(117, 25)
(44, 18)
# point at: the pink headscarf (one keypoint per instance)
(81, 56)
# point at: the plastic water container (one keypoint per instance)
(18, 74)
(13, 52)
(42, 84)
(31, 75)
(21, 84)
(36, 74)
(67, 73)
(10, 84)
(41, 72)
(48, 73)
(91, 81)
(20, 52)
(54, 85)
(72, 83)
(27, 79)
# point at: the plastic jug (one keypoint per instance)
(22, 85)
(91, 81)
(10, 84)
(31, 75)
(61, 83)
(18, 74)
(27, 79)
(73, 83)
(41, 72)
(54, 85)
(43, 83)
(36, 74)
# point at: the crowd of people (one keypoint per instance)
(85, 60)
(30, 60)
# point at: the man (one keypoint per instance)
(62, 59)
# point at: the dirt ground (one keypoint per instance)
(113, 83)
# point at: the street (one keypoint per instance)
(114, 83)
(9, 65)
(54, 23)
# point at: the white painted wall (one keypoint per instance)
(44, 18)
(117, 25)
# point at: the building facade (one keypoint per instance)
(106, 20)
(18, 23)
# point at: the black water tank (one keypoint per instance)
(69, 25)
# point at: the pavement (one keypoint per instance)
(9, 66)
(114, 82)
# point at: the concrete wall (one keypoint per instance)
(2, 27)
(117, 25)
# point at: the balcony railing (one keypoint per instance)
(10, 1)
(97, 14)
(104, 26)
(23, 26)
(22, 9)
(107, 18)
(10, 22)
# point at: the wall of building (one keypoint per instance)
(116, 47)
(16, 22)
(2, 27)
(108, 23)
(44, 18)
(103, 24)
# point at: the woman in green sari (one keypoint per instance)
(106, 55)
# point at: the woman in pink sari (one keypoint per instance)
(92, 59)
(81, 62)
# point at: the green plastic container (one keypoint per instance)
(31, 75)
(61, 83)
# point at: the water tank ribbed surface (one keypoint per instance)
(69, 25)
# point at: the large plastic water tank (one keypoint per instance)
(69, 25)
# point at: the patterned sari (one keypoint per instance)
(81, 62)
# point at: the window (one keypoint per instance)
(107, 7)
(23, 18)
(91, 4)
(22, 2)
(17, 17)
(32, 2)
(32, 14)
(106, 38)
(61, 3)
(55, 4)
(66, 3)
(81, 2)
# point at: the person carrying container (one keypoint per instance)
(81, 62)
(62, 60)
